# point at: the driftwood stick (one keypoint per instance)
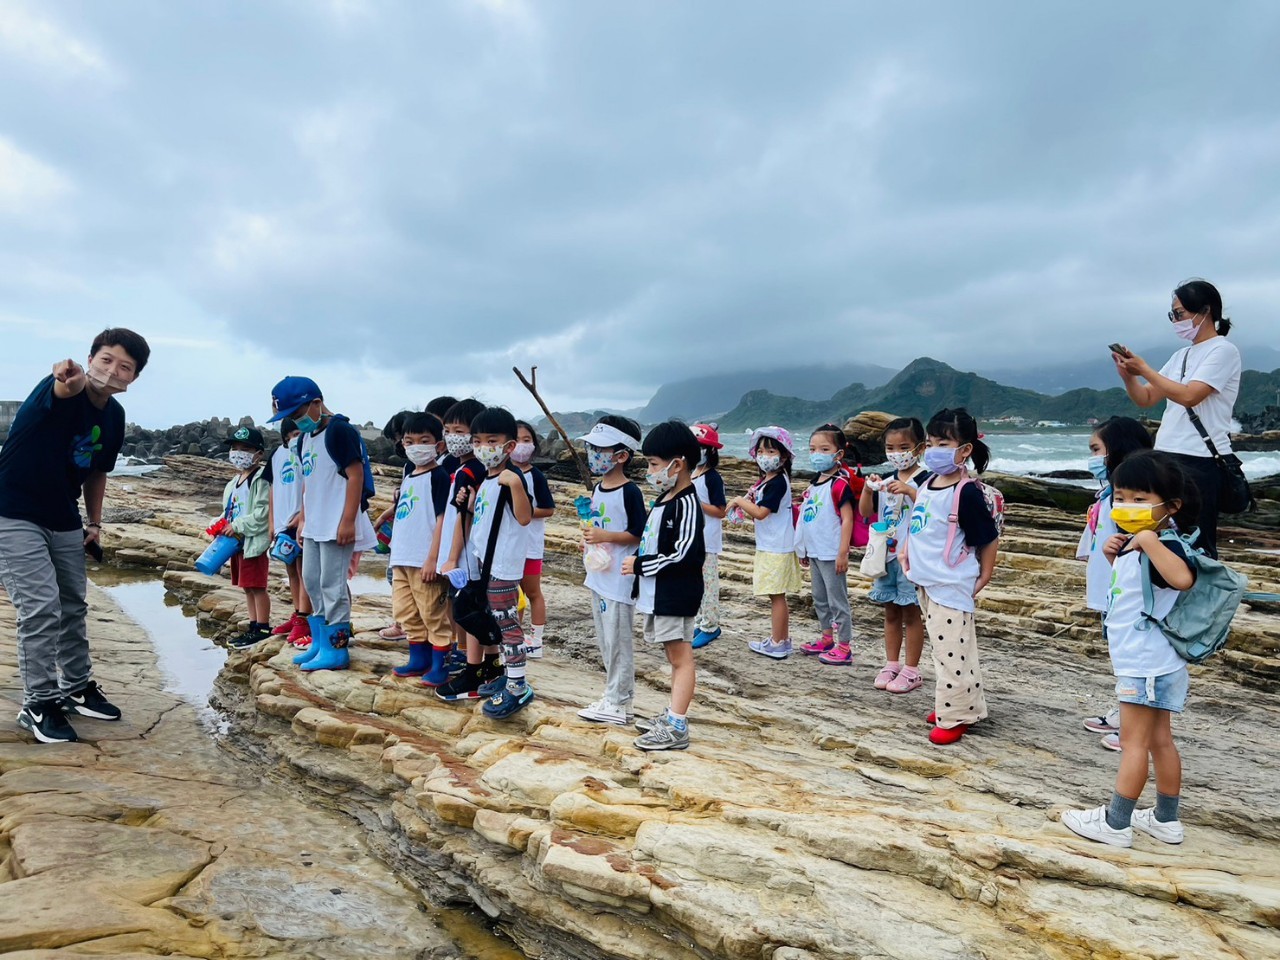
(531, 384)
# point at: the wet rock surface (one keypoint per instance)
(809, 818)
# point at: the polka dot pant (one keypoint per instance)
(958, 695)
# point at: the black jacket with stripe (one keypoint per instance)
(676, 561)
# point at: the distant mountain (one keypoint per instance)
(1099, 374)
(923, 387)
(710, 395)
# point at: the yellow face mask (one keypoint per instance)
(1136, 517)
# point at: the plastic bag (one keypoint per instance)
(597, 558)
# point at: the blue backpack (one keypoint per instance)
(1199, 623)
(369, 491)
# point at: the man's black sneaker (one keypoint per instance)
(463, 686)
(45, 719)
(248, 639)
(90, 702)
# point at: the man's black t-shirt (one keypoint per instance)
(52, 448)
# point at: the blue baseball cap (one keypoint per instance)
(291, 393)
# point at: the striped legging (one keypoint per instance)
(504, 604)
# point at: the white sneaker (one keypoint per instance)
(1092, 825)
(603, 711)
(1112, 742)
(1171, 832)
(532, 652)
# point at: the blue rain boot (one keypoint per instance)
(420, 660)
(439, 672)
(317, 639)
(334, 655)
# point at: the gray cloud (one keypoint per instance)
(627, 194)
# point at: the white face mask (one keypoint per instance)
(523, 452)
(241, 459)
(458, 444)
(420, 454)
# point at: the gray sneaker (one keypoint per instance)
(663, 736)
(645, 724)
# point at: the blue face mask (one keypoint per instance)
(306, 425)
(822, 462)
(1098, 467)
(941, 460)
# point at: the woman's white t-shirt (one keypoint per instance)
(1216, 362)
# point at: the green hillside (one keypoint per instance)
(926, 385)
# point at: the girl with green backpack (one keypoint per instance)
(1151, 496)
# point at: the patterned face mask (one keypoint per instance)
(599, 461)
(769, 462)
(491, 456)
(662, 481)
(241, 459)
(902, 461)
(458, 444)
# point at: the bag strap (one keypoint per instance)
(1195, 417)
(953, 525)
(504, 499)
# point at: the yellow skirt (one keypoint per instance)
(776, 573)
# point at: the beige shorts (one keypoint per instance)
(668, 629)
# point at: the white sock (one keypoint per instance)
(537, 633)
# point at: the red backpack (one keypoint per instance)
(853, 479)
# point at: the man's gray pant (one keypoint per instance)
(324, 574)
(44, 575)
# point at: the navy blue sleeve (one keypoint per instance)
(542, 498)
(974, 518)
(343, 443)
(846, 496)
(633, 502)
(715, 489)
(1180, 548)
(772, 494)
(440, 483)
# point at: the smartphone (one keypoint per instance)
(1120, 349)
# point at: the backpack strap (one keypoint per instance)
(486, 567)
(953, 525)
(1148, 588)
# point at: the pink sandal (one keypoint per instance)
(821, 645)
(904, 682)
(884, 677)
(840, 655)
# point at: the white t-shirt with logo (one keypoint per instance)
(286, 486)
(1216, 362)
(775, 533)
(415, 521)
(1134, 652)
(893, 508)
(620, 510)
(819, 527)
(512, 548)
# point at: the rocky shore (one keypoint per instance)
(809, 819)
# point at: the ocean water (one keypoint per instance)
(1039, 453)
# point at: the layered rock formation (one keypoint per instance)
(810, 818)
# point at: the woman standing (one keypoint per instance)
(1205, 376)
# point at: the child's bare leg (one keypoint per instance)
(780, 616)
(892, 633)
(683, 676)
(913, 629)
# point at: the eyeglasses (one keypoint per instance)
(1179, 314)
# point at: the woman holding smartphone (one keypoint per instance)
(1205, 375)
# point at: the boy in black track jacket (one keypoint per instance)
(668, 568)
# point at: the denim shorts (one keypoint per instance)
(894, 587)
(1163, 693)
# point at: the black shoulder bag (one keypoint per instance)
(471, 603)
(1234, 495)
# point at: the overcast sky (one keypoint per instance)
(405, 198)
